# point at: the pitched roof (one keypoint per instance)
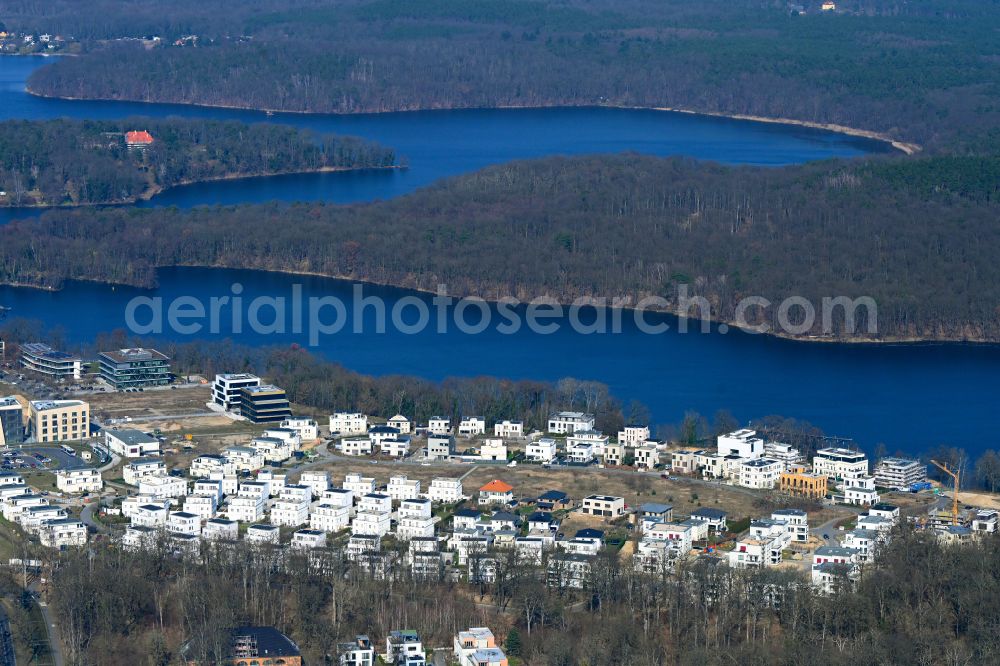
(138, 136)
(497, 486)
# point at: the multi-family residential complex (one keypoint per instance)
(58, 420)
(840, 463)
(567, 423)
(899, 473)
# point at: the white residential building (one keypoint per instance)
(401, 488)
(400, 423)
(743, 443)
(470, 426)
(359, 485)
(162, 486)
(445, 490)
(860, 491)
(899, 473)
(355, 446)
(380, 433)
(131, 443)
(244, 458)
(329, 518)
(493, 450)
(439, 425)
(633, 435)
(839, 463)
(595, 438)
(203, 506)
(292, 507)
(542, 450)
(150, 515)
(205, 464)
(220, 529)
(319, 482)
(134, 472)
(477, 647)
(306, 429)
(647, 457)
(348, 423)
(371, 524)
(338, 497)
(580, 452)
(761, 473)
(415, 519)
(308, 539)
(182, 522)
(263, 534)
(85, 480)
(796, 522)
(567, 423)
(395, 447)
(680, 537)
(786, 454)
(63, 532)
(246, 508)
(272, 449)
(509, 429)
(757, 552)
(439, 447)
(603, 505)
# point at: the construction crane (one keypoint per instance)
(955, 475)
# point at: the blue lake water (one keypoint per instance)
(446, 143)
(909, 397)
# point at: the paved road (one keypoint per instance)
(51, 630)
(7, 655)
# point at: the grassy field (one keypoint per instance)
(530, 481)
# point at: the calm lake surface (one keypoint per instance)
(909, 397)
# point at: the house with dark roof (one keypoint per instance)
(553, 500)
(716, 518)
(255, 645)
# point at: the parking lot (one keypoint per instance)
(40, 458)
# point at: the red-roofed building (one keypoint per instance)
(138, 139)
(496, 492)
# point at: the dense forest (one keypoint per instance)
(917, 235)
(74, 162)
(922, 72)
(920, 603)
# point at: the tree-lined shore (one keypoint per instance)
(915, 235)
(84, 162)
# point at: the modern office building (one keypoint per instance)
(264, 404)
(227, 387)
(43, 359)
(11, 421)
(59, 420)
(135, 368)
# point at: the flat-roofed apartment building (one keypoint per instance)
(134, 368)
(264, 404)
(226, 389)
(567, 423)
(797, 481)
(899, 473)
(58, 420)
(604, 505)
(43, 359)
(840, 463)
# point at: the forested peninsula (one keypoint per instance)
(918, 72)
(73, 162)
(915, 234)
